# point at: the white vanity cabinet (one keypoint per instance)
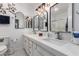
(43, 51)
(28, 45)
(34, 49)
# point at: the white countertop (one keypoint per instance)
(63, 46)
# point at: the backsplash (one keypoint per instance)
(66, 36)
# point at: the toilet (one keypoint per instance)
(3, 45)
(3, 49)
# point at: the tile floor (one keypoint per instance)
(19, 52)
(16, 49)
(16, 52)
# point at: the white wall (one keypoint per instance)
(70, 18)
(76, 17)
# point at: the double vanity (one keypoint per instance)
(58, 20)
(36, 45)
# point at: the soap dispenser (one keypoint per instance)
(75, 37)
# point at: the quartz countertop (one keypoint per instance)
(59, 47)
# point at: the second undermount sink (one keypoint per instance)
(57, 41)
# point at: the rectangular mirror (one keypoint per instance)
(40, 22)
(43, 22)
(61, 17)
(28, 22)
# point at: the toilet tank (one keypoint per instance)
(4, 40)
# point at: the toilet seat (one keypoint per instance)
(3, 49)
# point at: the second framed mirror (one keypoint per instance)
(61, 17)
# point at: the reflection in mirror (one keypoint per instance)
(28, 22)
(59, 17)
(40, 22)
(35, 22)
(19, 20)
(43, 21)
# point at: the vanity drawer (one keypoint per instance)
(34, 50)
(30, 43)
(43, 51)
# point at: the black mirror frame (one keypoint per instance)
(72, 17)
(39, 24)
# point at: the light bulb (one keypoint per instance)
(56, 9)
(46, 8)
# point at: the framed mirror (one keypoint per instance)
(40, 22)
(19, 20)
(43, 21)
(28, 22)
(61, 17)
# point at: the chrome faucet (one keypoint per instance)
(58, 36)
(48, 34)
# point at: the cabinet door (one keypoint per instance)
(24, 40)
(44, 51)
(34, 50)
(26, 44)
(30, 46)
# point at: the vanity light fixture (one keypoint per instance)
(42, 8)
(10, 7)
(38, 11)
(2, 10)
(45, 6)
(28, 18)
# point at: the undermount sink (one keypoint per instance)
(57, 41)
